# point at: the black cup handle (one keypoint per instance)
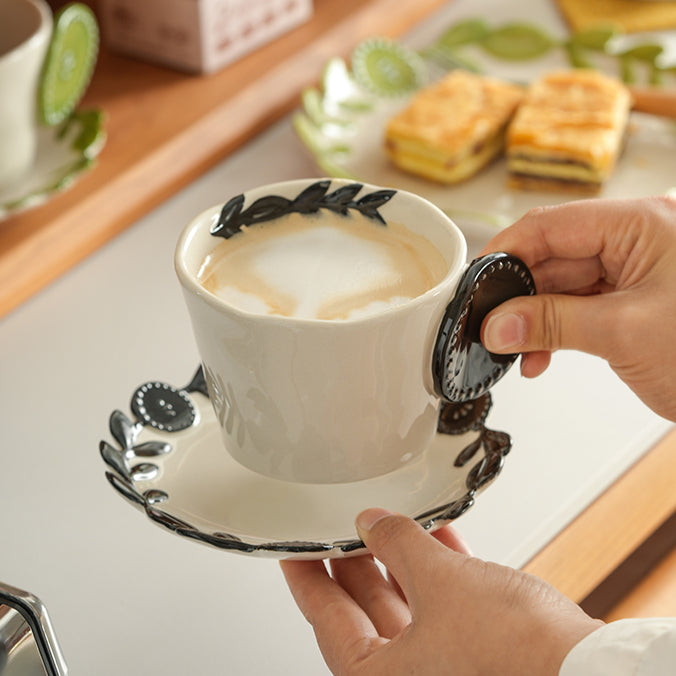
(463, 368)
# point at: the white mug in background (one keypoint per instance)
(326, 401)
(25, 31)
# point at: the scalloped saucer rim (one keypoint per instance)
(342, 126)
(186, 482)
(58, 165)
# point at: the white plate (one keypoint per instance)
(348, 140)
(186, 482)
(59, 162)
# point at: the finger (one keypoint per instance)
(534, 364)
(594, 289)
(552, 322)
(447, 536)
(361, 578)
(343, 631)
(572, 230)
(397, 587)
(558, 275)
(451, 538)
(404, 547)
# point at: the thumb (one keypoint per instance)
(549, 322)
(404, 548)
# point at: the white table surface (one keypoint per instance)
(127, 597)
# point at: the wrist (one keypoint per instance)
(560, 636)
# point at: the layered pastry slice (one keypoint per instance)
(568, 132)
(453, 128)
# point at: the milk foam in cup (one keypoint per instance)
(327, 320)
(322, 266)
(25, 30)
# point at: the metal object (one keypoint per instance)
(26, 630)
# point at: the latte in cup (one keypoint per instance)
(322, 266)
(333, 319)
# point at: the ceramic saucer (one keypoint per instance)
(168, 460)
(341, 123)
(64, 153)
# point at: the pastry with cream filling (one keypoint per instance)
(568, 132)
(453, 128)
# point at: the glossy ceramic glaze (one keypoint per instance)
(25, 29)
(60, 160)
(184, 482)
(323, 401)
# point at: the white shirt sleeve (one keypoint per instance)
(641, 647)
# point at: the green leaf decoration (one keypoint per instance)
(311, 99)
(656, 76)
(314, 107)
(595, 38)
(517, 42)
(312, 137)
(627, 69)
(307, 132)
(449, 59)
(88, 129)
(577, 56)
(647, 53)
(523, 41)
(463, 33)
(356, 106)
(91, 133)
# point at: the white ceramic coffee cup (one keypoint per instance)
(25, 30)
(322, 401)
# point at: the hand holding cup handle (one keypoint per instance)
(463, 368)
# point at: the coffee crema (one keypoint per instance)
(322, 266)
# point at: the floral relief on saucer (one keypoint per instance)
(168, 461)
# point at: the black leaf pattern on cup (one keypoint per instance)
(309, 201)
(230, 213)
(342, 198)
(369, 204)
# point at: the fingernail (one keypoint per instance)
(367, 519)
(504, 332)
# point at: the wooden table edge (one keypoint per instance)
(584, 553)
(61, 236)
